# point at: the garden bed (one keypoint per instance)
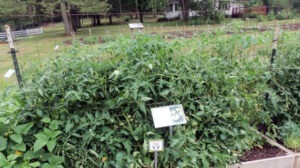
(271, 155)
(267, 151)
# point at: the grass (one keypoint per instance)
(34, 50)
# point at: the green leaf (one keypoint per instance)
(146, 99)
(46, 120)
(51, 145)
(69, 126)
(19, 147)
(16, 138)
(53, 125)
(93, 153)
(3, 143)
(56, 160)
(145, 147)
(30, 154)
(35, 164)
(142, 106)
(23, 129)
(12, 157)
(40, 92)
(51, 134)
(39, 143)
(42, 136)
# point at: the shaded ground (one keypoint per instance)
(267, 151)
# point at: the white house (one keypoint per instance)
(228, 7)
(174, 10)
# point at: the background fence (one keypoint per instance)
(22, 33)
(47, 39)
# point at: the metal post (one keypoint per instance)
(274, 49)
(275, 43)
(171, 135)
(13, 54)
(155, 159)
(171, 131)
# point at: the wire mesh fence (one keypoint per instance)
(34, 50)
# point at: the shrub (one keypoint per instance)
(285, 14)
(290, 135)
(261, 18)
(92, 109)
(127, 18)
(91, 40)
(271, 16)
(285, 83)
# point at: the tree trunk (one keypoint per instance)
(98, 22)
(140, 9)
(76, 21)
(141, 17)
(185, 13)
(66, 19)
(110, 19)
(94, 20)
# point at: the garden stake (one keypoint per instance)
(13, 54)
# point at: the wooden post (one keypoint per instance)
(13, 54)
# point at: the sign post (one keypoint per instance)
(156, 145)
(168, 116)
(13, 54)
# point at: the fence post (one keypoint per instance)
(13, 54)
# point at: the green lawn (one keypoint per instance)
(34, 50)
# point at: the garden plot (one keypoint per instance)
(91, 108)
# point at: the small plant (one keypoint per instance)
(127, 18)
(285, 14)
(290, 134)
(271, 16)
(91, 40)
(261, 18)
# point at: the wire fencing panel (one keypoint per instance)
(51, 39)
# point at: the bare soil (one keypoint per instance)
(267, 151)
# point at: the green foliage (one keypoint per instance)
(290, 134)
(91, 108)
(91, 40)
(271, 16)
(214, 18)
(261, 18)
(284, 14)
(285, 84)
(95, 110)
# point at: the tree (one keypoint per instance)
(96, 8)
(76, 6)
(156, 6)
(12, 7)
(185, 12)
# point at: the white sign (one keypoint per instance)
(9, 73)
(156, 145)
(168, 116)
(56, 47)
(136, 25)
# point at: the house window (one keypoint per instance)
(176, 7)
(171, 7)
(224, 5)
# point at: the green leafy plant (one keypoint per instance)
(91, 108)
(290, 134)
